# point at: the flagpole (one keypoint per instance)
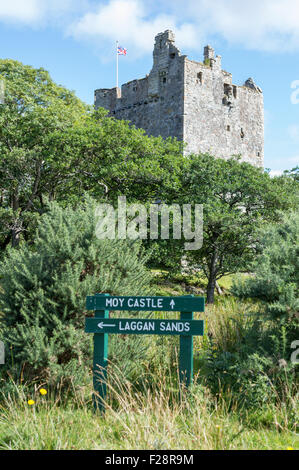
(117, 64)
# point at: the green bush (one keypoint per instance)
(43, 291)
(251, 378)
(276, 271)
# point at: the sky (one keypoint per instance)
(75, 41)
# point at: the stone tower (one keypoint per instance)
(193, 101)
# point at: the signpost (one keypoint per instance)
(101, 325)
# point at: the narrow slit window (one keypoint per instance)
(227, 89)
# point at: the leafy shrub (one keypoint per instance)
(44, 287)
(276, 270)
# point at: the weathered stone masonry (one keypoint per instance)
(193, 101)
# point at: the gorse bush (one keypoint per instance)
(276, 270)
(43, 292)
(245, 359)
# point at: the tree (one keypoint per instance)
(294, 173)
(276, 270)
(112, 158)
(237, 199)
(34, 108)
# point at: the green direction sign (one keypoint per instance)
(163, 304)
(101, 326)
(145, 327)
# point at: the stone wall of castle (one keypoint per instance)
(193, 101)
(221, 118)
(154, 103)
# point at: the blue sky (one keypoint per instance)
(75, 41)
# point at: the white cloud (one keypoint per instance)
(33, 12)
(19, 11)
(131, 22)
(271, 25)
(274, 173)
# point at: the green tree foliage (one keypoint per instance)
(112, 158)
(34, 109)
(294, 173)
(258, 369)
(276, 270)
(237, 198)
(43, 292)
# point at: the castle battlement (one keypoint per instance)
(196, 102)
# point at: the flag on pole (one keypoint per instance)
(121, 50)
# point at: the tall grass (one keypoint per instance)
(149, 418)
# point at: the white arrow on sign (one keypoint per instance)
(102, 325)
(172, 304)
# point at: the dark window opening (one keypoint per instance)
(242, 134)
(199, 76)
(228, 128)
(235, 91)
(172, 55)
(163, 77)
(227, 89)
(134, 88)
(258, 154)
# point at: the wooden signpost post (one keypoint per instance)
(101, 325)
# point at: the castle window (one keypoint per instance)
(228, 128)
(199, 76)
(242, 134)
(227, 89)
(258, 154)
(172, 55)
(163, 77)
(135, 88)
(235, 91)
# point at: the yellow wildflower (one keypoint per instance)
(43, 391)
(31, 402)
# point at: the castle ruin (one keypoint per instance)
(196, 102)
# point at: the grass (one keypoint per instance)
(167, 283)
(152, 420)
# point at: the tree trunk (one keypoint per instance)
(16, 228)
(211, 290)
(15, 237)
